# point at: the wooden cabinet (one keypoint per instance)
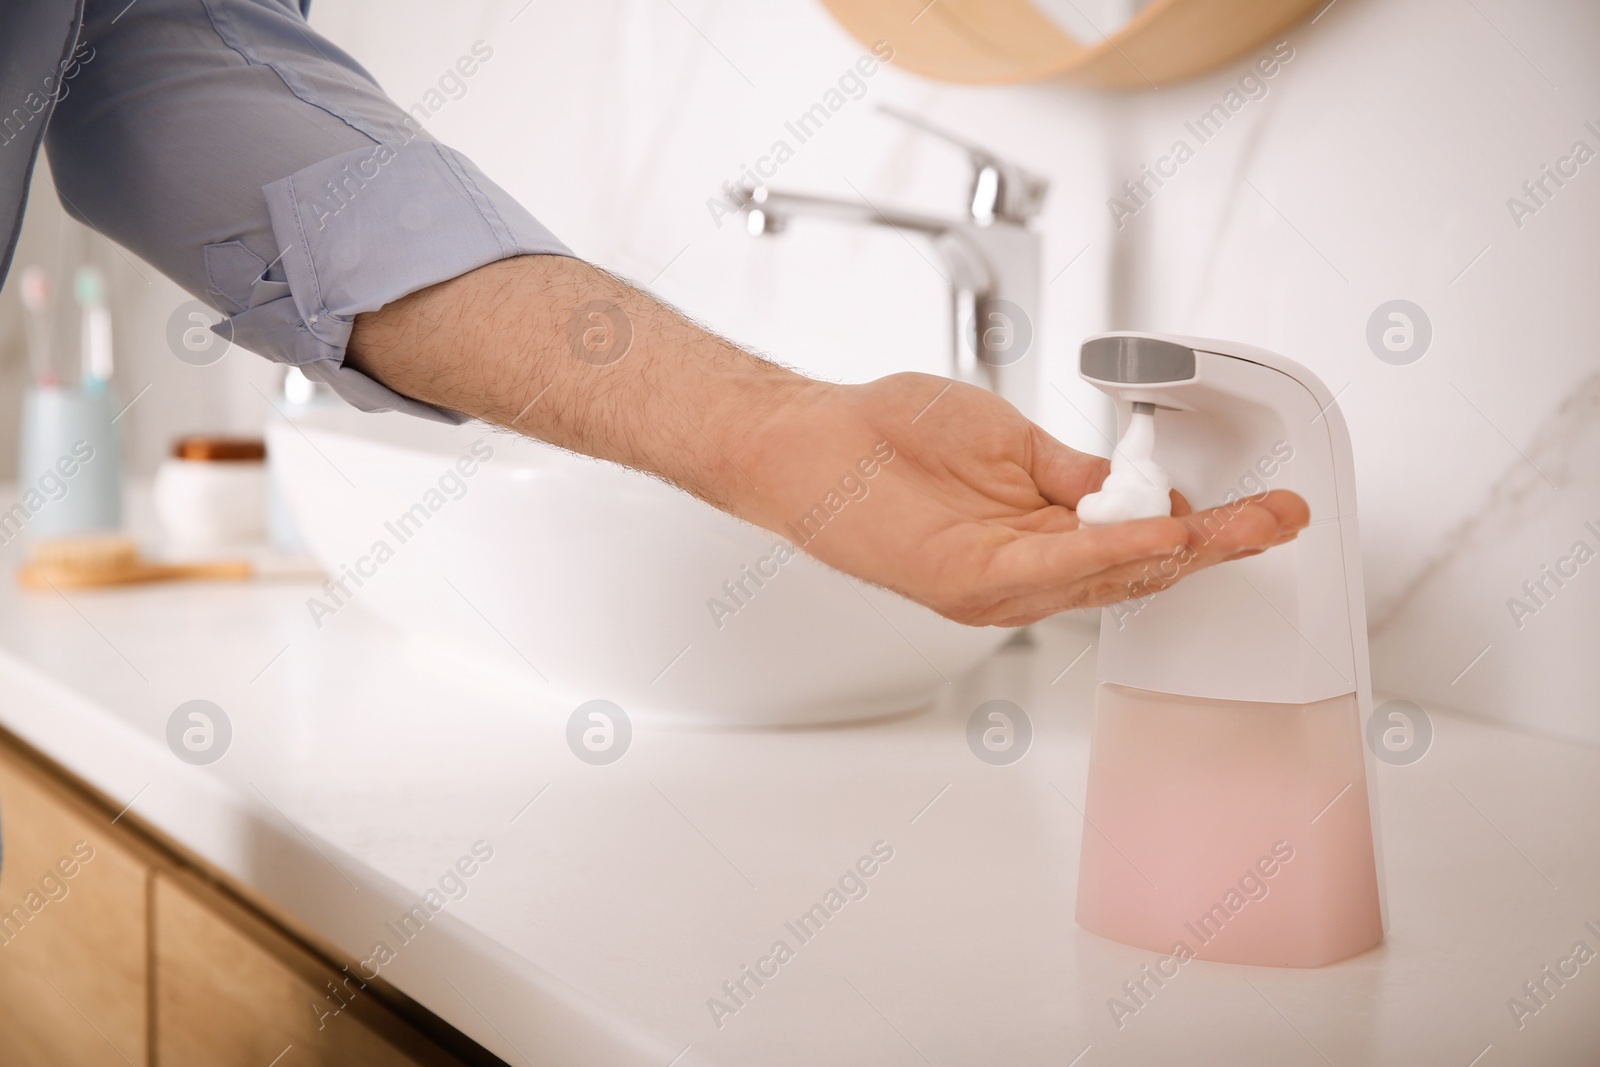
(74, 931)
(115, 950)
(230, 991)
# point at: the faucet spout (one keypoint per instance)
(768, 210)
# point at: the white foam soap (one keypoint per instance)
(1137, 487)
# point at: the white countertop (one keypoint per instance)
(362, 767)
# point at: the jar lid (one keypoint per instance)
(220, 449)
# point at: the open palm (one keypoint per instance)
(946, 494)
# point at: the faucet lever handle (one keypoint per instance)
(1000, 189)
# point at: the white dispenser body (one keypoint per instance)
(1288, 625)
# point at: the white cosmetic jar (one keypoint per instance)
(212, 491)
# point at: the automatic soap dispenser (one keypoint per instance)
(1229, 814)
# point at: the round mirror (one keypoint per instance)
(1108, 44)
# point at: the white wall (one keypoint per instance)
(1391, 143)
(1377, 166)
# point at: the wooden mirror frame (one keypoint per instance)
(997, 42)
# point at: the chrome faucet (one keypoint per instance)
(991, 260)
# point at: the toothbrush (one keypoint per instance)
(36, 298)
(96, 336)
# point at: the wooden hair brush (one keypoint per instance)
(112, 559)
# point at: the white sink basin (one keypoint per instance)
(599, 579)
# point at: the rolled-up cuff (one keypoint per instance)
(362, 229)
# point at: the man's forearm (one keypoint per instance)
(556, 349)
(937, 489)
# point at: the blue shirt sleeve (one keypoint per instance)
(265, 171)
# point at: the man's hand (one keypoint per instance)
(972, 515)
(940, 491)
